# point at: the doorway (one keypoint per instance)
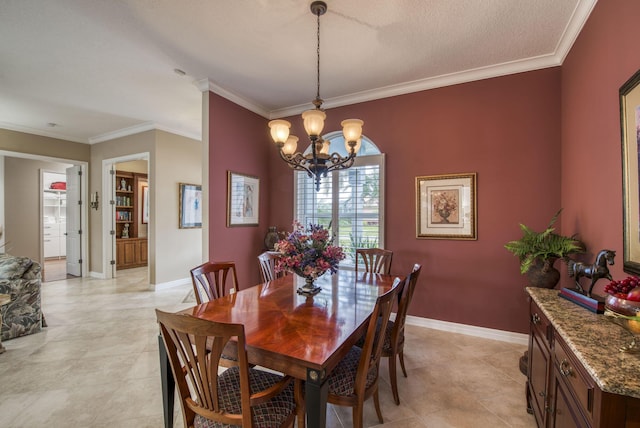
(61, 222)
(26, 210)
(126, 219)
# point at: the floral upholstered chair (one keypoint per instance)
(20, 278)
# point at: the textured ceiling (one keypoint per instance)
(100, 69)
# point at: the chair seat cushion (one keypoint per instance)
(342, 379)
(268, 415)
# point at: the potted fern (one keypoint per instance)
(538, 251)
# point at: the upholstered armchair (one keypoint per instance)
(20, 278)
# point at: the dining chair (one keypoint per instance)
(238, 396)
(210, 280)
(394, 334)
(268, 265)
(355, 378)
(393, 346)
(376, 260)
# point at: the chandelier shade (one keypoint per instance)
(320, 161)
(313, 121)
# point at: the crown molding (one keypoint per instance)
(42, 133)
(208, 85)
(193, 136)
(143, 127)
(530, 64)
(578, 19)
(124, 132)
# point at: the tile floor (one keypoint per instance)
(96, 365)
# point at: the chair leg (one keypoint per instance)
(393, 377)
(401, 355)
(300, 404)
(357, 415)
(376, 402)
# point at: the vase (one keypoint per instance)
(444, 215)
(309, 288)
(542, 273)
(271, 238)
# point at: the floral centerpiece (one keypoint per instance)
(308, 252)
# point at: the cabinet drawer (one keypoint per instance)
(540, 323)
(51, 229)
(579, 384)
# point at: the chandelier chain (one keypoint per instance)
(319, 162)
(318, 59)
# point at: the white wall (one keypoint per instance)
(22, 190)
(172, 159)
(178, 160)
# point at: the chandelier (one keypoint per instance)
(318, 162)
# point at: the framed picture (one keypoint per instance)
(630, 127)
(145, 204)
(446, 206)
(190, 206)
(243, 196)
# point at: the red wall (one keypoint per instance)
(237, 142)
(538, 141)
(508, 131)
(604, 56)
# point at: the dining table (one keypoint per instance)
(303, 336)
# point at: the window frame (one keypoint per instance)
(360, 161)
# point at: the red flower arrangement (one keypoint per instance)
(308, 252)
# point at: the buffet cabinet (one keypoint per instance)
(131, 252)
(576, 376)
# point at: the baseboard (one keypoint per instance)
(171, 284)
(97, 275)
(485, 333)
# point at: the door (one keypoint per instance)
(74, 215)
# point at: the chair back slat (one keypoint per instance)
(194, 347)
(212, 280)
(268, 265)
(404, 300)
(374, 339)
(376, 260)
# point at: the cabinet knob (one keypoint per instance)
(542, 393)
(565, 368)
(535, 318)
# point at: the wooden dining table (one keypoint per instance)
(301, 336)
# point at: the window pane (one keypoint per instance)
(358, 209)
(349, 200)
(311, 206)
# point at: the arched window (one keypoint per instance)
(351, 200)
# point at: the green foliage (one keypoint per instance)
(543, 245)
(359, 242)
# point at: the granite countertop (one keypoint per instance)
(594, 340)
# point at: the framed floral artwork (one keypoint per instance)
(446, 206)
(243, 196)
(630, 129)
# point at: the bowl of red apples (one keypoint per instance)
(622, 306)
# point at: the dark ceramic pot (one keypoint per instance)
(542, 273)
(271, 238)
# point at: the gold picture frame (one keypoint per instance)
(630, 130)
(243, 199)
(190, 210)
(446, 206)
